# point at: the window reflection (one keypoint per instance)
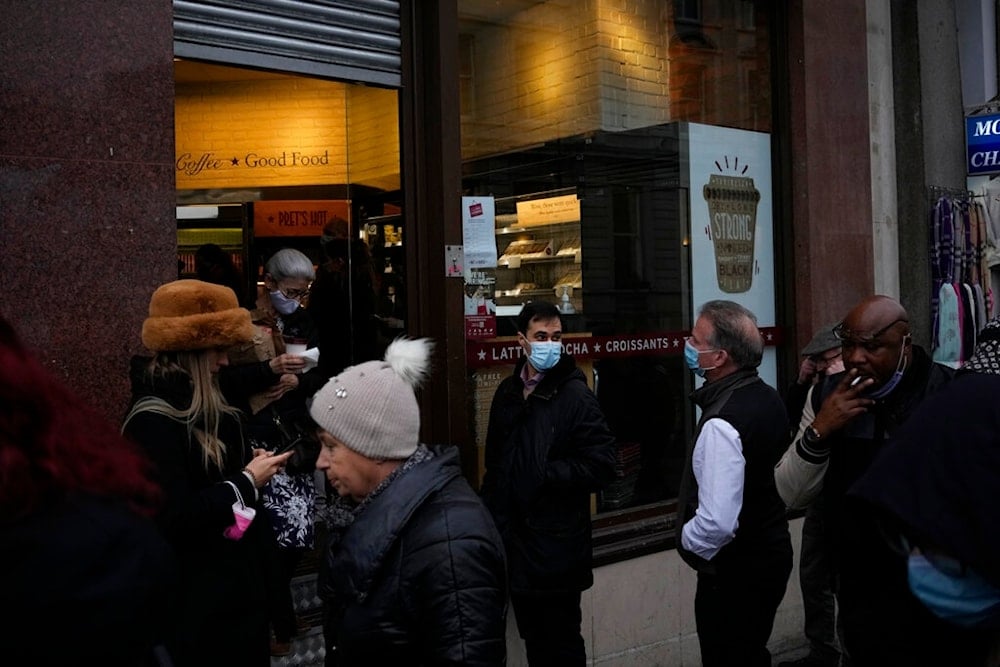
(561, 98)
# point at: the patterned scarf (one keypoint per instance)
(986, 358)
(343, 510)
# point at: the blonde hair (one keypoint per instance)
(208, 405)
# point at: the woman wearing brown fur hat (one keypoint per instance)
(209, 475)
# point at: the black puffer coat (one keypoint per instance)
(418, 578)
(545, 455)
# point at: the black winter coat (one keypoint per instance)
(99, 573)
(222, 617)
(418, 578)
(882, 622)
(545, 455)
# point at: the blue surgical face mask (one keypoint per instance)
(545, 354)
(283, 304)
(692, 356)
(887, 388)
(963, 597)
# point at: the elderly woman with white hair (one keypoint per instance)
(270, 381)
(414, 571)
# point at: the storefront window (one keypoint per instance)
(267, 160)
(577, 120)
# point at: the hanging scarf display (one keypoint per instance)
(961, 298)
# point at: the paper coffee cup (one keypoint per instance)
(732, 212)
(296, 346)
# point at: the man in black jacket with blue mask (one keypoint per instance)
(548, 447)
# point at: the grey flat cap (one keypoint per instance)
(823, 340)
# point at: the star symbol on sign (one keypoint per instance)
(235, 161)
(597, 347)
(482, 355)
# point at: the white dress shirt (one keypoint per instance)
(719, 469)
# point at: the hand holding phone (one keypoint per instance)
(287, 446)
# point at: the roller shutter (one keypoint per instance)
(353, 40)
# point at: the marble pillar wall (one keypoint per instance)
(87, 228)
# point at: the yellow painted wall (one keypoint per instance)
(285, 131)
(373, 136)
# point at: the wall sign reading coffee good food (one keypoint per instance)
(191, 164)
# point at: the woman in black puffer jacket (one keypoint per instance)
(414, 571)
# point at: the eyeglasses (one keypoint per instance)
(297, 294)
(288, 293)
(870, 342)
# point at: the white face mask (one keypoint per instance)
(283, 304)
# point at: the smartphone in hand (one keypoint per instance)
(288, 445)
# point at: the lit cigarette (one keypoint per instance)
(857, 380)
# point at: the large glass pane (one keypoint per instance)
(590, 100)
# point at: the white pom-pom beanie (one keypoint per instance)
(371, 408)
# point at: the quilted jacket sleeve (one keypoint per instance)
(457, 585)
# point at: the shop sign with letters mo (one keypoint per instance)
(982, 142)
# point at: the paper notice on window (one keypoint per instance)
(478, 234)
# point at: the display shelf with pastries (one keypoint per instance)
(525, 250)
(540, 250)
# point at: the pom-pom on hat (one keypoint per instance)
(193, 315)
(371, 408)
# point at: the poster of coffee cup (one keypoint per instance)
(732, 214)
(731, 233)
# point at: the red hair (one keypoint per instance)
(54, 445)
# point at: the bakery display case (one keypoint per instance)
(538, 238)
